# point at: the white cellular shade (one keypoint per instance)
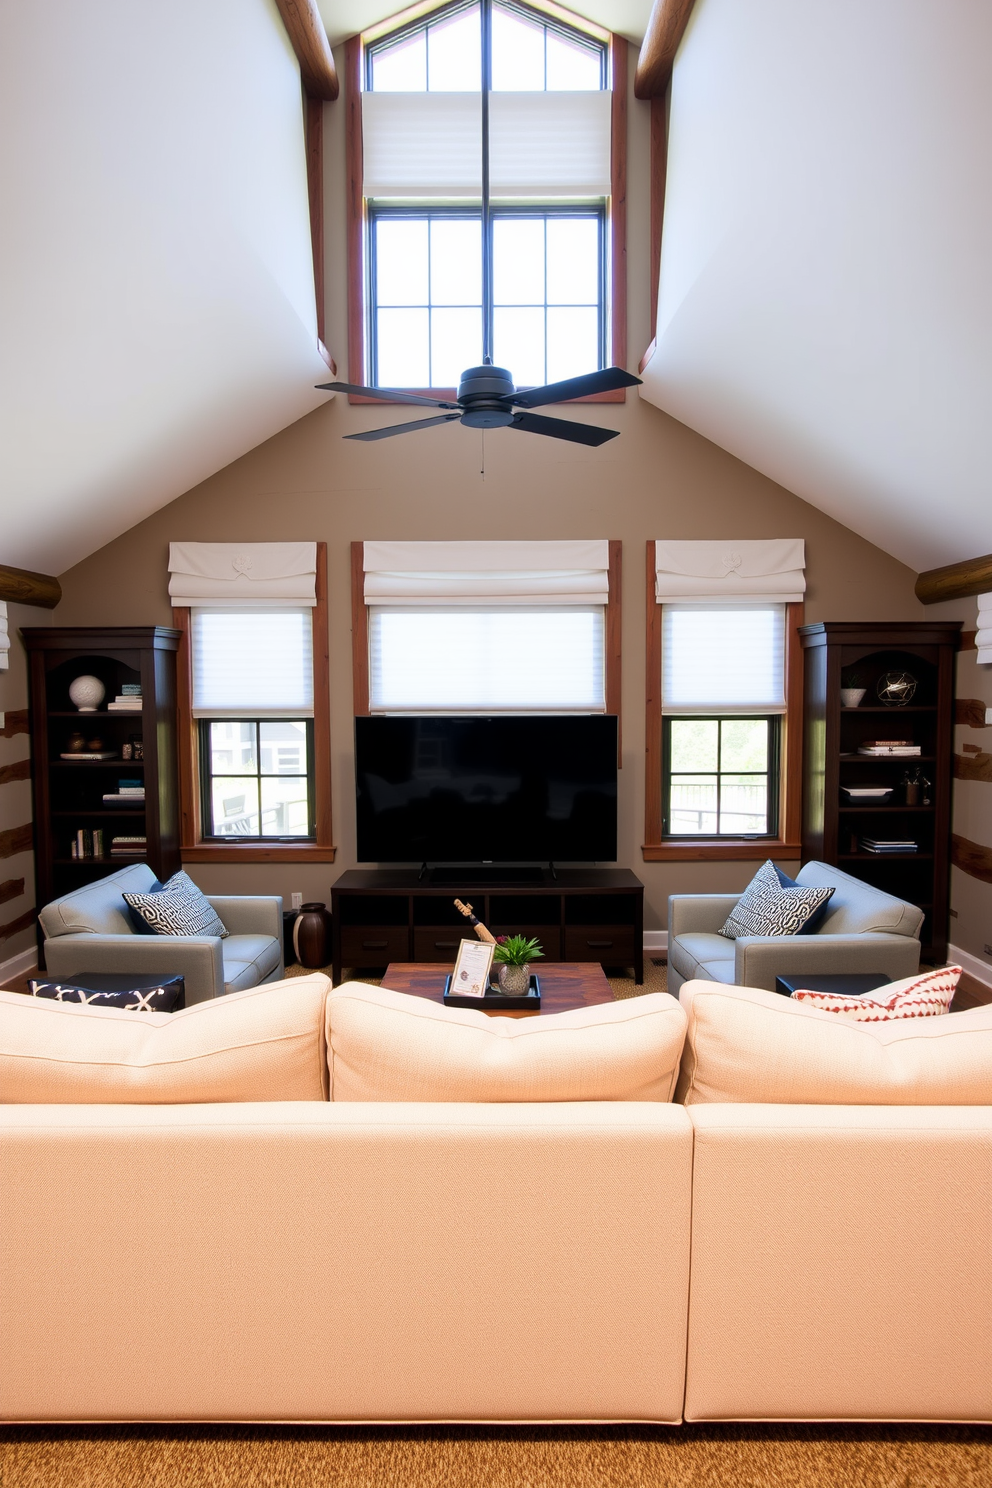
(487, 660)
(4, 637)
(983, 636)
(252, 663)
(723, 660)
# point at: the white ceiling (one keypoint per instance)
(156, 293)
(344, 18)
(825, 305)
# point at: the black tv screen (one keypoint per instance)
(474, 789)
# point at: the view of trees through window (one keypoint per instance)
(719, 776)
(256, 778)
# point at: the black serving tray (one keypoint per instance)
(497, 1001)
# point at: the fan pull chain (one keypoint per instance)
(482, 472)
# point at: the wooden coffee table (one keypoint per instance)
(564, 984)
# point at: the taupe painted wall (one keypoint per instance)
(658, 479)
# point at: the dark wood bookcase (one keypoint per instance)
(834, 828)
(68, 794)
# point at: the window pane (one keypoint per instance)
(743, 804)
(694, 744)
(401, 68)
(693, 805)
(232, 748)
(284, 807)
(573, 261)
(518, 343)
(456, 343)
(401, 261)
(573, 342)
(744, 744)
(283, 748)
(518, 261)
(403, 358)
(518, 53)
(456, 261)
(454, 54)
(572, 66)
(235, 806)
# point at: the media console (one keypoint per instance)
(579, 914)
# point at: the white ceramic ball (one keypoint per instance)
(87, 693)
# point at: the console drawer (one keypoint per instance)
(613, 945)
(374, 945)
(439, 942)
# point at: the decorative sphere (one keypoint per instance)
(896, 689)
(87, 693)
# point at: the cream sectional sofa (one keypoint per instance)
(293, 1204)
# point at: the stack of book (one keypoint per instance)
(889, 845)
(899, 748)
(128, 847)
(128, 793)
(90, 754)
(128, 700)
(87, 844)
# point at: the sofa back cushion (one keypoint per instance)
(745, 1045)
(389, 1046)
(266, 1044)
(98, 908)
(856, 908)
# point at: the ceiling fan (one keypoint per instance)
(486, 397)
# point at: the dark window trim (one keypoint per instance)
(206, 780)
(771, 773)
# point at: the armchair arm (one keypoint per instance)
(250, 914)
(758, 959)
(198, 958)
(688, 912)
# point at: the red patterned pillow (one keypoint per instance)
(917, 997)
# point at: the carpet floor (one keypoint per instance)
(716, 1456)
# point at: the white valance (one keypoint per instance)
(4, 637)
(983, 639)
(429, 145)
(731, 569)
(571, 572)
(243, 575)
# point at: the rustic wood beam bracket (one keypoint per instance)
(24, 586)
(955, 580)
(309, 39)
(666, 27)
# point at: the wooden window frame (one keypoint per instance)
(194, 848)
(616, 211)
(612, 639)
(788, 841)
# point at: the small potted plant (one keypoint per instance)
(513, 955)
(853, 690)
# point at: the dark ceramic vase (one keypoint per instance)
(310, 936)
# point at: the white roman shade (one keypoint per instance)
(723, 660)
(491, 574)
(729, 570)
(252, 663)
(429, 145)
(4, 637)
(983, 640)
(243, 575)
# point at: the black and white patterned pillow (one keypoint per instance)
(766, 908)
(178, 909)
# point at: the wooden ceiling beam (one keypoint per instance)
(23, 586)
(666, 27)
(306, 32)
(955, 580)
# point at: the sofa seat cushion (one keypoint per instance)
(248, 960)
(747, 1045)
(262, 1045)
(703, 954)
(389, 1046)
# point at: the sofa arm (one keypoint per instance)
(707, 912)
(198, 958)
(250, 914)
(759, 959)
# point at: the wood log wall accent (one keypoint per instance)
(970, 711)
(23, 922)
(20, 770)
(666, 27)
(16, 840)
(15, 722)
(973, 766)
(306, 32)
(971, 857)
(11, 888)
(955, 580)
(24, 586)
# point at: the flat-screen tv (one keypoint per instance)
(504, 789)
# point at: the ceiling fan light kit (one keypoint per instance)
(486, 398)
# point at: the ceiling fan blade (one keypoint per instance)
(370, 434)
(576, 387)
(388, 395)
(535, 423)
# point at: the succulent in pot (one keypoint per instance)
(513, 955)
(852, 689)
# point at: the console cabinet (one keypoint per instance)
(386, 914)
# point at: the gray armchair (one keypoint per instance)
(864, 929)
(89, 930)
